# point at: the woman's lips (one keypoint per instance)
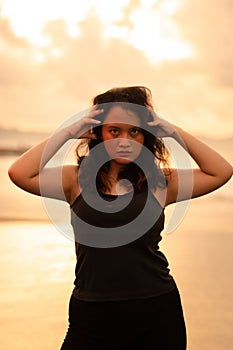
(123, 154)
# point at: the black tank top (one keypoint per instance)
(134, 269)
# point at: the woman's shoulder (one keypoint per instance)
(70, 170)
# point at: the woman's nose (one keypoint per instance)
(124, 142)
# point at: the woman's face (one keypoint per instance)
(122, 135)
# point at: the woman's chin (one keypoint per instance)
(122, 160)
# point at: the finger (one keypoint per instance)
(95, 112)
(92, 121)
(153, 123)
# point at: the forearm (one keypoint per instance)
(208, 160)
(29, 164)
(28, 171)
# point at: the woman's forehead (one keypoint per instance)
(122, 116)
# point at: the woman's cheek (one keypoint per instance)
(110, 147)
(137, 150)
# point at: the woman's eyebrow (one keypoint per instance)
(118, 125)
(110, 126)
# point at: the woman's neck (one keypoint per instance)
(113, 176)
(114, 171)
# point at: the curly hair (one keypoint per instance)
(137, 99)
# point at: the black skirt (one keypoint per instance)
(151, 323)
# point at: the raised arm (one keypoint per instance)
(213, 170)
(29, 172)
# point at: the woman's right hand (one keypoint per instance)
(83, 127)
(29, 173)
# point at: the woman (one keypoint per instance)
(124, 295)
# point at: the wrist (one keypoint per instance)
(66, 134)
(178, 134)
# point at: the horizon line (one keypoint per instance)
(49, 132)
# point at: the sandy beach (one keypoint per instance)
(37, 272)
(36, 280)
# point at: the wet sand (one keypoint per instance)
(37, 273)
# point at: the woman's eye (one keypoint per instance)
(114, 131)
(135, 131)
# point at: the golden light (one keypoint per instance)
(157, 35)
(149, 27)
(29, 17)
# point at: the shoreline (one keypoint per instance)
(214, 203)
(4, 220)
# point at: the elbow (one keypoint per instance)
(12, 173)
(227, 173)
(15, 175)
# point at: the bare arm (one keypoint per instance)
(29, 170)
(29, 173)
(213, 170)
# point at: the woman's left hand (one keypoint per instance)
(162, 127)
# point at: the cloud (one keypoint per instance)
(195, 93)
(208, 25)
(59, 86)
(8, 36)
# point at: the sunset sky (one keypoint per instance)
(56, 55)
